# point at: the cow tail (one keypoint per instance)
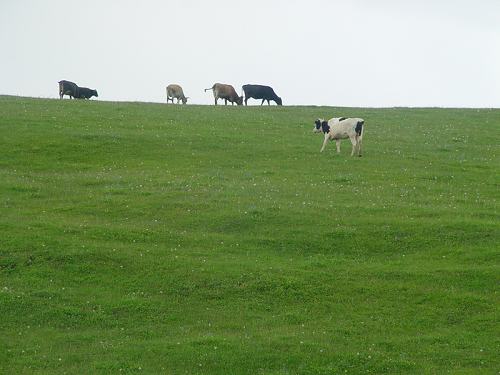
(359, 135)
(360, 129)
(210, 88)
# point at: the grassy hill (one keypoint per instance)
(150, 238)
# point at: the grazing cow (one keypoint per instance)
(226, 92)
(175, 91)
(342, 128)
(68, 88)
(261, 92)
(86, 93)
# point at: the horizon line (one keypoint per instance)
(253, 105)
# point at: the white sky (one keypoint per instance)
(343, 53)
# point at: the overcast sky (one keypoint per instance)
(343, 53)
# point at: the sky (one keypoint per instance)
(356, 53)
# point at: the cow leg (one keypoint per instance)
(327, 137)
(354, 145)
(360, 142)
(246, 100)
(262, 102)
(337, 143)
(268, 102)
(215, 101)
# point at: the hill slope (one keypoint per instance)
(218, 240)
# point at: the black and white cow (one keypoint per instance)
(261, 92)
(341, 128)
(68, 88)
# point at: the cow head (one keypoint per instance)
(185, 99)
(239, 101)
(317, 125)
(278, 101)
(321, 126)
(94, 92)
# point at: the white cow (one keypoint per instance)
(341, 128)
(175, 91)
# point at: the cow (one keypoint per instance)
(86, 93)
(226, 92)
(175, 91)
(341, 128)
(261, 92)
(68, 88)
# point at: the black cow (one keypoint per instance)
(68, 88)
(261, 92)
(86, 93)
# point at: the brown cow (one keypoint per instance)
(175, 91)
(226, 92)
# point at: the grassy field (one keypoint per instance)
(164, 239)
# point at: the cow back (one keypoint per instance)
(67, 85)
(259, 91)
(225, 91)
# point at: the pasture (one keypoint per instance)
(164, 239)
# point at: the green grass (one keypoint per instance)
(153, 238)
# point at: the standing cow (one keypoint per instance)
(68, 88)
(86, 93)
(226, 92)
(261, 92)
(175, 91)
(341, 128)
